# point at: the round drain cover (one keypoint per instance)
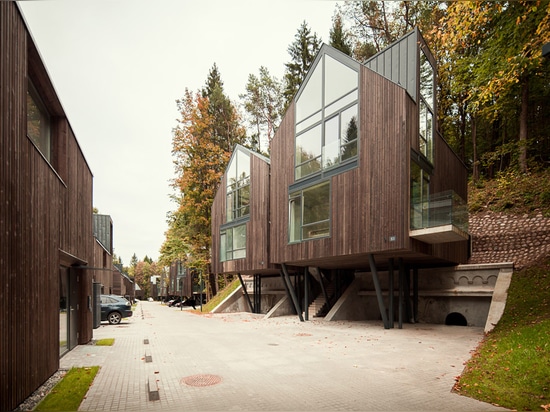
(201, 380)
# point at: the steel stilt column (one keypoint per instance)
(378, 292)
(292, 293)
(246, 293)
(390, 309)
(408, 308)
(323, 288)
(415, 294)
(257, 294)
(306, 294)
(401, 281)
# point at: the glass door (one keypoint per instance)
(63, 310)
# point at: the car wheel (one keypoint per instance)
(114, 318)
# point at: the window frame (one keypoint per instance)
(420, 208)
(426, 118)
(236, 209)
(43, 142)
(225, 251)
(298, 195)
(320, 117)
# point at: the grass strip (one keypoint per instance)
(511, 367)
(105, 342)
(222, 294)
(68, 394)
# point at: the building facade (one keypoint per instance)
(45, 220)
(359, 180)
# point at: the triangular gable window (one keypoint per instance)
(327, 114)
(238, 185)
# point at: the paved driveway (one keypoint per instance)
(244, 362)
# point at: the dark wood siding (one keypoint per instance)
(103, 260)
(369, 203)
(45, 221)
(218, 219)
(257, 228)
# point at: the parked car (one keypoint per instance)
(114, 308)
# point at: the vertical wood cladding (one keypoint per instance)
(257, 227)
(45, 212)
(369, 204)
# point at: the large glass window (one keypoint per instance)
(38, 122)
(233, 243)
(426, 109)
(326, 118)
(308, 152)
(238, 186)
(420, 194)
(309, 213)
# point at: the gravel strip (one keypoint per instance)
(32, 401)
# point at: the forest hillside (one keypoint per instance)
(510, 219)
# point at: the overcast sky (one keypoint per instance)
(118, 67)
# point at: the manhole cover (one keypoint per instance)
(201, 380)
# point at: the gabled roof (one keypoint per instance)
(248, 151)
(102, 227)
(332, 52)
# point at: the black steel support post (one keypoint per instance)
(286, 286)
(292, 292)
(257, 294)
(415, 294)
(401, 281)
(306, 294)
(323, 288)
(408, 309)
(246, 293)
(378, 292)
(390, 291)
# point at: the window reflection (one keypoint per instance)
(327, 137)
(339, 79)
(233, 243)
(310, 101)
(38, 122)
(310, 213)
(238, 186)
(331, 147)
(308, 152)
(63, 311)
(427, 79)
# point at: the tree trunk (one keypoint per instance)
(462, 126)
(523, 126)
(475, 173)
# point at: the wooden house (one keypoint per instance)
(45, 220)
(104, 272)
(240, 216)
(360, 178)
(123, 285)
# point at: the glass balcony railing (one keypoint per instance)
(440, 210)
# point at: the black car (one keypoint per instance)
(114, 308)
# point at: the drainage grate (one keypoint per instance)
(201, 380)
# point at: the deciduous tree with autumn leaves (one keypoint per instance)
(207, 131)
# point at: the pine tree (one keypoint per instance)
(339, 39)
(302, 53)
(263, 102)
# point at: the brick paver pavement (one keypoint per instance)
(246, 362)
